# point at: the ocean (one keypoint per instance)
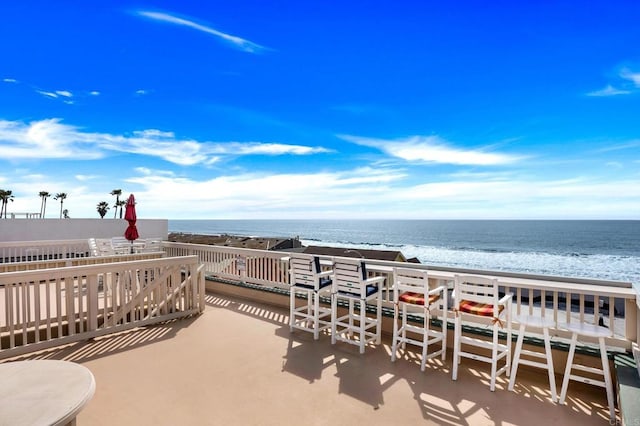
(574, 248)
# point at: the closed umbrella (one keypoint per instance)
(131, 233)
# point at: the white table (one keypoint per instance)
(43, 392)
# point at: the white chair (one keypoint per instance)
(121, 245)
(104, 247)
(93, 247)
(479, 297)
(412, 296)
(152, 245)
(350, 283)
(528, 321)
(307, 277)
(599, 333)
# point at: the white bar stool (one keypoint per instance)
(540, 323)
(600, 333)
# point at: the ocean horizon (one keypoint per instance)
(600, 249)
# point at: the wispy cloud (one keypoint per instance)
(63, 95)
(432, 149)
(47, 94)
(614, 164)
(627, 82)
(9, 80)
(235, 41)
(357, 193)
(84, 178)
(94, 93)
(633, 144)
(141, 92)
(609, 91)
(53, 139)
(634, 77)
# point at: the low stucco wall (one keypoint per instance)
(70, 229)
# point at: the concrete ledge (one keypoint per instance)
(628, 386)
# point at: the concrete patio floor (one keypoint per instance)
(238, 364)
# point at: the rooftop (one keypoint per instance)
(237, 363)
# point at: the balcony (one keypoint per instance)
(237, 363)
(232, 359)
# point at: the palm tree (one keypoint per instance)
(102, 207)
(60, 196)
(43, 205)
(117, 193)
(5, 196)
(2, 193)
(120, 204)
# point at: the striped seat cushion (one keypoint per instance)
(480, 309)
(417, 298)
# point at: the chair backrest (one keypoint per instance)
(152, 245)
(350, 276)
(303, 270)
(410, 280)
(476, 289)
(104, 246)
(93, 247)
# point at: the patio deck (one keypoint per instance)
(237, 363)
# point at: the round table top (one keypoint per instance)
(43, 392)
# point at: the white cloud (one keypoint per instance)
(632, 144)
(608, 91)
(235, 41)
(47, 94)
(432, 149)
(94, 93)
(365, 192)
(84, 178)
(64, 93)
(382, 193)
(9, 80)
(259, 148)
(44, 139)
(634, 77)
(141, 92)
(53, 139)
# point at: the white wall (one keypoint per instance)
(71, 229)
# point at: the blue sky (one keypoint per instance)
(289, 109)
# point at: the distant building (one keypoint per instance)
(288, 244)
(257, 243)
(388, 255)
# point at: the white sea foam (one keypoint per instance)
(607, 267)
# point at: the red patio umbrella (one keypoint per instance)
(131, 233)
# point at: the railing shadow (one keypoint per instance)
(256, 310)
(368, 378)
(112, 344)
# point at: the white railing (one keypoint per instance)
(21, 251)
(50, 307)
(563, 299)
(32, 265)
(236, 264)
(26, 215)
